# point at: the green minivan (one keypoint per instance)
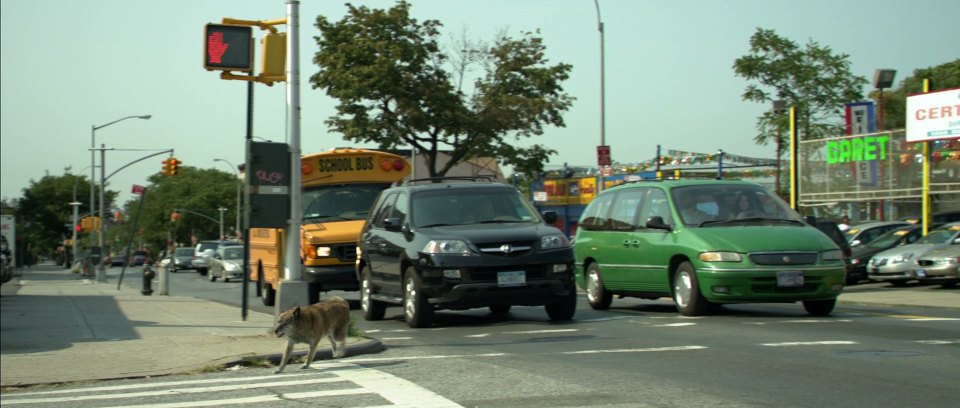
(704, 242)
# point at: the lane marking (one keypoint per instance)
(152, 385)
(395, 338)
(675, 325)
(811, 343)
(955, 341)
(400, 392)
(478, 335)
(802, 321)
(541, 331)
(640, 350)
(254, 400)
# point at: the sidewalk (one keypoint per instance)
(56, 327)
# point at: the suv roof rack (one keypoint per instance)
(477, 179)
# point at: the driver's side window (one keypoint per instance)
(386, 207)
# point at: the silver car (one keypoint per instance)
(897, 265)
(226, 263)
(939, 266)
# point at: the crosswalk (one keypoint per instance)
(337, 384)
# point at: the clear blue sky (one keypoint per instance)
(68, 65)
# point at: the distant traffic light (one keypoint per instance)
(228, 47)
(174, 166)
(165, 170)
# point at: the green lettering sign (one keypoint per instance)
(867, 148)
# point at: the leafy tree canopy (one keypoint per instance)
(397, 87)
(44, 212)
(943, 76)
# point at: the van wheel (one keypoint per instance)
(564, 309)
(202, 271)
(686, 291)
(416, 309)
(269, 294)
(598, 296)
(819, 307)
(372, 309)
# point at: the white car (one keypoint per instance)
(898, 265)
(226, 263)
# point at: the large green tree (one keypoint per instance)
(943, 76)
(397, 87)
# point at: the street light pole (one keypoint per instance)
(93, 165)
(236, 227)
(603, 129)
(221, 209)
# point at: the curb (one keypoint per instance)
(370, 346)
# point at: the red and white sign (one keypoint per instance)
(138, 190)
(603, 155)
(934, 115)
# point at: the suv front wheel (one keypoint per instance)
(416, 309)
(686, 291)
(372, 309)
(564, 309)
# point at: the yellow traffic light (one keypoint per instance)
(174, 166)
(274, 55)
(165, 170)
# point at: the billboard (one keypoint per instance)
(933, 115)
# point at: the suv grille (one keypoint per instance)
(784, 258)
(506, 248)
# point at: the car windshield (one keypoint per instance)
(937, 237)
(183, 251)
(233, 253)
(711, 204)
(340, 202)
(889, 238)
(470, 206)
(205, 246)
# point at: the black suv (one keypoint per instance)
(455, 244)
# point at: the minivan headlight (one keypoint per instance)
(832, 255)
(720, 257)
(554, 241)
(446, 246)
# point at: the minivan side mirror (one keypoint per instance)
(392, 224)
(550, 217)
(656, 222)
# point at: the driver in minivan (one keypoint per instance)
(690, 209)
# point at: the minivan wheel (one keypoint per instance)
(598, 296)
(686, 291)
(819, 307)
(416, 309)
(372, 309)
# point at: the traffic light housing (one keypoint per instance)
(174, 166)
(228, 47)
(165, 170)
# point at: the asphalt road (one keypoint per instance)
(639, 353)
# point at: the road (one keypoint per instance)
(640, 353)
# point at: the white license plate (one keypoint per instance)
(921, 273)
(789, 279)
(506, 279)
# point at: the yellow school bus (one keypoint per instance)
(339, 187)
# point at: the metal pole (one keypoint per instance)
(73, 251)
(93, 168)
(603, 134)
(292, 235)
(221, 209)
(101, 271)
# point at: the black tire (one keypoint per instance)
(819, 307)
(499, 310)
(202, 271)
(313, 293)
(416, 309)
(948, 284)
(686, 291)
(597, 296)
(898, 283)
(372, 309)
(269, 297)
(564, 309)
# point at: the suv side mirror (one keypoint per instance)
(550, 217)
(656, 222)
(392, 224)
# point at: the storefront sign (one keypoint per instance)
(866, 148)
(934, 115)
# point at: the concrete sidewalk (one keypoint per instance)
(56, 327)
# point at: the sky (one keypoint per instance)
(69, 65)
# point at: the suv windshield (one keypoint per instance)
(718, 203)
(470, 206)
(340, 202)
(183, 251)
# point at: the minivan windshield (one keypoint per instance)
(720, 203)
(470, 206)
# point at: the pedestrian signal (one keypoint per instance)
(228, 47)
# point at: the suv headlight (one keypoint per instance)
(720, 257)
(447, 246)
(554, 241)
(832, 255)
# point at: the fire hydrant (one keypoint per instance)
(148, 276)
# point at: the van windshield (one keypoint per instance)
(718, 203)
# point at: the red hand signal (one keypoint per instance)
(216, 47)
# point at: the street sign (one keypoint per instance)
(138, 190)
(603, 155)
(606, 171)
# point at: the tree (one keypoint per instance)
(811, 78)
(44, 211)
(943, 76)
(396, 87)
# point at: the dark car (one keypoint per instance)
(182, 259)
(139, 258)
(937, 220)
(116, 260)
(831, 229)
(460, 245)
(862, 253)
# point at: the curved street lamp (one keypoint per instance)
(101, 273)
(239, 183)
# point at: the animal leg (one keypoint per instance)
(286, 356)
(339, 341)
(311, 353)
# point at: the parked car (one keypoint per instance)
(896, 265)
(461, 245)
(204, 250)
(939, 266)
(832, 229)
(226, 263)
(139, 258)
(700, 243)
(863, 253)
(181, 259)
(116, 260)
(937, 220)
(865, 232)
